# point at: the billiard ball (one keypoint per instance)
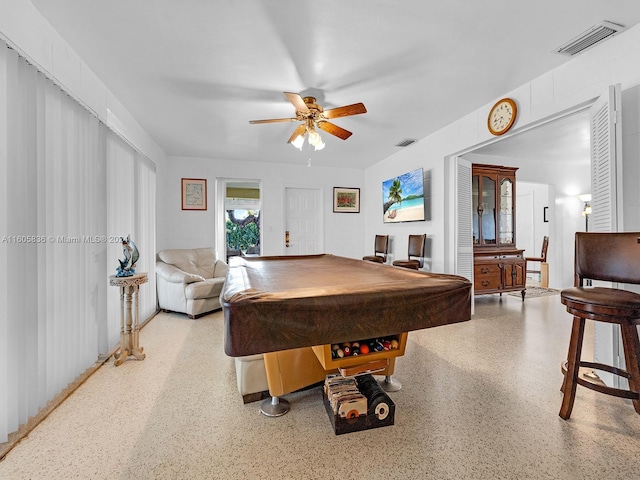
(364, 349)
(346, 350)
(394, 344)
(340, 353)
(386, 345)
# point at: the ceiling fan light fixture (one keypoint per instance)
(298, 142)
(314, 116)
(314, 137)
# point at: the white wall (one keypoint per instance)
(187, 229)
(575, 83)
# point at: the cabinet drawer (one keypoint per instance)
(488, 282)
(487, 276)
(323, 352)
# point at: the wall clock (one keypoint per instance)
(502, 116)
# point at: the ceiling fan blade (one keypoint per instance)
(273, 120)
(334, 129)
(297, 102)
(345, 111)
(298, 131)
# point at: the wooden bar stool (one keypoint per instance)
(610, 257)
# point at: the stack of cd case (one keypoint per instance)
(356, 403)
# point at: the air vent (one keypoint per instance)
(406, 142)
(589, 38)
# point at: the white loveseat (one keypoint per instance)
(190, 280)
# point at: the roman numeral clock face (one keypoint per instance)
(502, 116)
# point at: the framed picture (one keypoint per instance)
(403, 198)
(194, 194)
(346, 200)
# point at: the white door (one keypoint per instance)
(463, 236)
(606, 205)
(303, 221)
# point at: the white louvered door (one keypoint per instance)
(463, 222)
(606, 174)
(606, 204)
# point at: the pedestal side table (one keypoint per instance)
(129, 316)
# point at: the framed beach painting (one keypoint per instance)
(346, 200)
(403, 198)
(194, 194)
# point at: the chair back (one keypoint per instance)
(382, 245)
(416, 247)
(610, 257)
(545, 246)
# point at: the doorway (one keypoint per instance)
(556, 156)
(239, 219)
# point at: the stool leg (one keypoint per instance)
(573, 367)
(632, 359)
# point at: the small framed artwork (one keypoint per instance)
(346, 200)
(194, 194)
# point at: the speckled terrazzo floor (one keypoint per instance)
(480, 400)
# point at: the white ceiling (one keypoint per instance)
(194, 72)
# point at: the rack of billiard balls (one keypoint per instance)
(363, 347)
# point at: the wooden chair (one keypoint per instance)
(544, 268)
(381, 246)
(609, 257)
(415, 253)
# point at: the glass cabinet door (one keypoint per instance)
(483, 190)
(475, 200)
(506, 211)
(487, 211)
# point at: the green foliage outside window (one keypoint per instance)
(241, 235)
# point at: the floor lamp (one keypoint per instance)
(586, 212)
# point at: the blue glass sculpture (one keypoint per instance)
(127, 266)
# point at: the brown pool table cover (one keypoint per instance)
(279, 303)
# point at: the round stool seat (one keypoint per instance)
(414, 264)
(601, 303)
(373, 258)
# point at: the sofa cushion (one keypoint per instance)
(197, 261)
(211, 287)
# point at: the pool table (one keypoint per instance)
(292, 308)
(280, 303)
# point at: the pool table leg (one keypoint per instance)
(275, 407)
(390, 384)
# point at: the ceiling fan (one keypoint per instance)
(314, 116)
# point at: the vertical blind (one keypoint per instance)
(69, 188)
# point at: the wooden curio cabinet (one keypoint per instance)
(498, 265)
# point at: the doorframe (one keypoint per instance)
(450, 256)
(321, 209)
(220, 195)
